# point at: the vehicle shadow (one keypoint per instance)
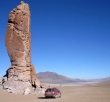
(44, 98)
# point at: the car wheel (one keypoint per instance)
(56, 96)
(60, 96)
(46, 97)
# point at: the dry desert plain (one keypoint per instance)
(99, 92)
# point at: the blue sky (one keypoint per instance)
(69, 37)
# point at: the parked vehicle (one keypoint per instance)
(52, 92)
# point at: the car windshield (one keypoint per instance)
(49, 90)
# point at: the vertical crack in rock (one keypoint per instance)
(21, 74)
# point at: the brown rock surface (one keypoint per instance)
(18, 46)
(18, 36)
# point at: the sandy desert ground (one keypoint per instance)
(83, 93)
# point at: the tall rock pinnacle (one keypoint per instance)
(18, 36)
(18, 44)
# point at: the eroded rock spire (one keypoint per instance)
(21, 74)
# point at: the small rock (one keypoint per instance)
(0, 81)
(4, 79)
(26, 91)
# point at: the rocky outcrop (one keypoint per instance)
(0, 81)
(21, 75)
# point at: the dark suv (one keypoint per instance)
(52, 92)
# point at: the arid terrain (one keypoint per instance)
(99, 92)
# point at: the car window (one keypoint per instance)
(56, 90)
(49, 90)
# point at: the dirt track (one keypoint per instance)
(86, 93)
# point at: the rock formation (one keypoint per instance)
(0, 81)
(21, 75)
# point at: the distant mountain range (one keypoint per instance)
(54, 78)
(100, 79)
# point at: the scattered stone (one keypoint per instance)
(4, 79)
(42, 90)
(27, 91)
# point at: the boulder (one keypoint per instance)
(27, 91)
(16, 86)
(0, 81)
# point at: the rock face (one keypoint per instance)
(21, 75)
(1, 83)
